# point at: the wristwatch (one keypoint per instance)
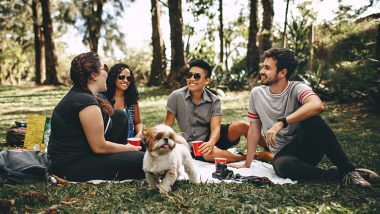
(284, 122)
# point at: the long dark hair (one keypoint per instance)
(81, 69)
(131, 95)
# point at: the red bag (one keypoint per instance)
(16, 134)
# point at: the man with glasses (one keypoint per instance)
(199, 114)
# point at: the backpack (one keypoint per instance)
(16, 134)
(23, 166)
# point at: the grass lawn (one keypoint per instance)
(357, 130)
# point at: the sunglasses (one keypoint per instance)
(123, 77)
(197, 76)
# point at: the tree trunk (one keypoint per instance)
(253, 55)
(310, 47)
(178, 62)
(94, 24)
(158, 67)
(37, 45)
(283, 39)
(266, 31)
(378, 43)
(221, 36)
(50, 57)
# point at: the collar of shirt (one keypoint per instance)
(205, 96)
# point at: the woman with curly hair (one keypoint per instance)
(122, 94)
(79, 149)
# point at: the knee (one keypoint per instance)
(119, 116)
(240, 127)
(284, 166)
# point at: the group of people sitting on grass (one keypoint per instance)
(91, 124)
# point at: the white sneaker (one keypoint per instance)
(355, 178)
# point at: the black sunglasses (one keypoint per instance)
(123, 77)
(197, 76)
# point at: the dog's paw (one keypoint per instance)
(152, 186)
(163, 189)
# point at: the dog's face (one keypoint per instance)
(160, 139)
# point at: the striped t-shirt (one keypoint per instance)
(266, 108)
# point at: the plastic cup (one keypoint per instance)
(196, 145)
(220, 160)
(134, 141)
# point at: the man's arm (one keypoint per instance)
(170, 118)
(253, 138)
(312, 106)
(215, 123)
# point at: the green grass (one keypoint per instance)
(358, 132)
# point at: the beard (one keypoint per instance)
(270, 81)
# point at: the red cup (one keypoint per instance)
(134, 141)
(220, 160)
(196, 145)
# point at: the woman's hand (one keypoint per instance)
(131, 147)
(238, 165)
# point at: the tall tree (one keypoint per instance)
(37, 44)
(266, 30)
(253, 55)
(158, 67)
(178, 61)
(221, 36)
(50, 57)
(283, 39)
(89, 18)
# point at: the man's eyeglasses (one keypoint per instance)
(105, 67)
(197, 76)
(123, 77)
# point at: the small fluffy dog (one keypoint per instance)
(166, 153)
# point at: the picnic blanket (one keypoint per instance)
(205, 171)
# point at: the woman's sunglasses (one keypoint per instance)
(197, 76)
(123, 77)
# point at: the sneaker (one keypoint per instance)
(369, 175)
(355, 178)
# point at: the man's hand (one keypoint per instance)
(270, 135)
(238, 165)
(206, 147)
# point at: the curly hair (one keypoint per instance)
(81, 69)
(131, 95)
(286, 59)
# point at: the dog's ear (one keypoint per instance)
(144, 132)
(180, 139)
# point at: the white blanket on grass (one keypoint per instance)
(205, 171)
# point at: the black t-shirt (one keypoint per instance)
(68, 142)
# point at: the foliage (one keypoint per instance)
(139, 61)
(83, 16)
(351, 73)
(16, 44)
(358, 135)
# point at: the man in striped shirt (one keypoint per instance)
(288, 112)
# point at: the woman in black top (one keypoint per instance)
(78, 148)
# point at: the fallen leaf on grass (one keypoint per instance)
(51, 210)
(69, 202)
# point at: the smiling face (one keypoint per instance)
(268, 72)
(121, 81)
(197, 84)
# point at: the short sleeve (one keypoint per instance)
(217, 108)
(302, 91)
(171, 105)
(253, 116)
(81, 101)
